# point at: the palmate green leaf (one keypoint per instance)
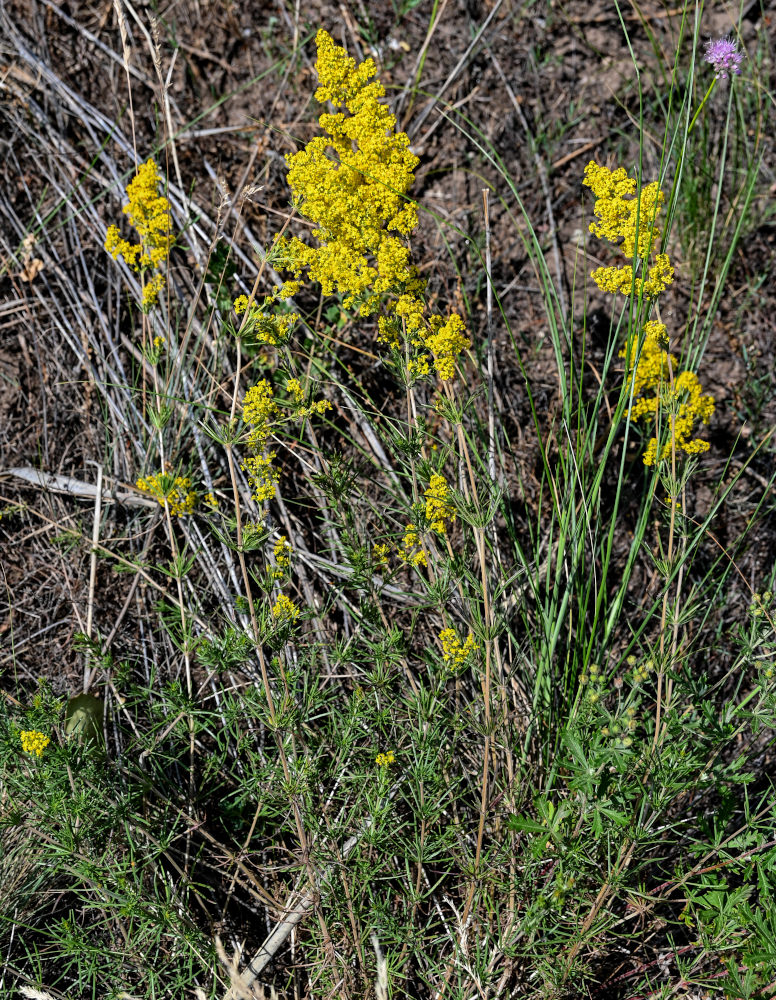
(524, 824)
(618, 818)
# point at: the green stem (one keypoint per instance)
(701, 106)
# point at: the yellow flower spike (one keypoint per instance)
(259, 408)
(683, 404)
(629, 219)
(418, 368)
(284, 611)
(34, 742)
(282, 553)
(294, 386)
(380, 555)
(352, 184)
(263, 324)
(410, 550)
(263, 477)
(446, 342)
(301, 411)
(148, 212)
(439, 509)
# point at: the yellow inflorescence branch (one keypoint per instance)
(174, 491)
(148, 212)
(352, 183)
(629, 217)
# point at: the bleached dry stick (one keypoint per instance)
(76, 487)
(298, 905)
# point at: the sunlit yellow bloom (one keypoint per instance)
(380, 555)
(410, 550)
(34, 742)
(682, 404)
(352, 183)
(175, 492)
(439, 509)
(282, 553)
(285, 612)
(148, 212)
(454, 651)
(263, 322)
(628, 219)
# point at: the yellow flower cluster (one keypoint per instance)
(439, 509)
(259, 408)
(148, 212)
(385, 759)
(263, 477)
(294, 387)
(418, 368)
(282, 553)
(658, 387)
(33, 742)
(454, 651)
(266, 326)
(446, 341)
(285, 612)
(623, 214)
(411, 550)
(175, 492)
(352, 184)
(380, 555)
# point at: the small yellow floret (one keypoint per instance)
(385, 759)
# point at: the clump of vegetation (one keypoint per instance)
(405, 721)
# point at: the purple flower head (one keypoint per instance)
(724, 56)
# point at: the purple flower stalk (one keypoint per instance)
(724, 56)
